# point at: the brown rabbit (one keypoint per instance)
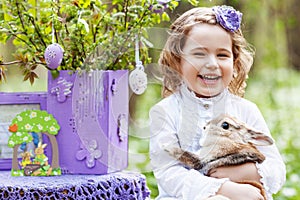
(227, 141)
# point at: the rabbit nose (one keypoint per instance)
(204, 127)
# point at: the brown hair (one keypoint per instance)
(171, 54)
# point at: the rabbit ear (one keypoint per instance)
(39, 144)
(44, 145)
(258, 138)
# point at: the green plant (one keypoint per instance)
(94, 34)
(278, 99)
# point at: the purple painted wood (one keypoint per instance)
(92, 110)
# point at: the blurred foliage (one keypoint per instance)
(278, 98)
(139, 159)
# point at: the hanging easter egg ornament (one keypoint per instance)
(54, 55)
(138, 78)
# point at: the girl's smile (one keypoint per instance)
(207, 60)
(209, 79)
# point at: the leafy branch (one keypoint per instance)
(93, 34)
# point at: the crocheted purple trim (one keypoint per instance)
(115, 186)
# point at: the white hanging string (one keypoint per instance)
(138, 78)
(139, 64)
(53, 32)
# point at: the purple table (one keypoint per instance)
(114, 186)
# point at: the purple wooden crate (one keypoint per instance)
(92, 110)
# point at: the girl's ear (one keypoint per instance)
(258, 138)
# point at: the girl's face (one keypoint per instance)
(207, 60)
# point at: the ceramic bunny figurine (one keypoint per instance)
(227, 141)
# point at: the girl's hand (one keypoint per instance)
(236, 191)
(247, 171)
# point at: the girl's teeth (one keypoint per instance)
(209, 77)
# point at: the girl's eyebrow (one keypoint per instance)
(225, 49)
(198, 48)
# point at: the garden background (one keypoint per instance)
(272, 26)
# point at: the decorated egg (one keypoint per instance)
(53, 55)
(138, 81)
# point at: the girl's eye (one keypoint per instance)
(223, 55)
(225, 125)
(199, 54)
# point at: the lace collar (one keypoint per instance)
(191, 96)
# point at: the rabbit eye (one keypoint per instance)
(225, 125)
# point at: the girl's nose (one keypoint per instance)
(211, 63)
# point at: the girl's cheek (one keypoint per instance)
(198, 62)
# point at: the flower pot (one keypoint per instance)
(92, 111)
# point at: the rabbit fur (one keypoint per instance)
(227, 141)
